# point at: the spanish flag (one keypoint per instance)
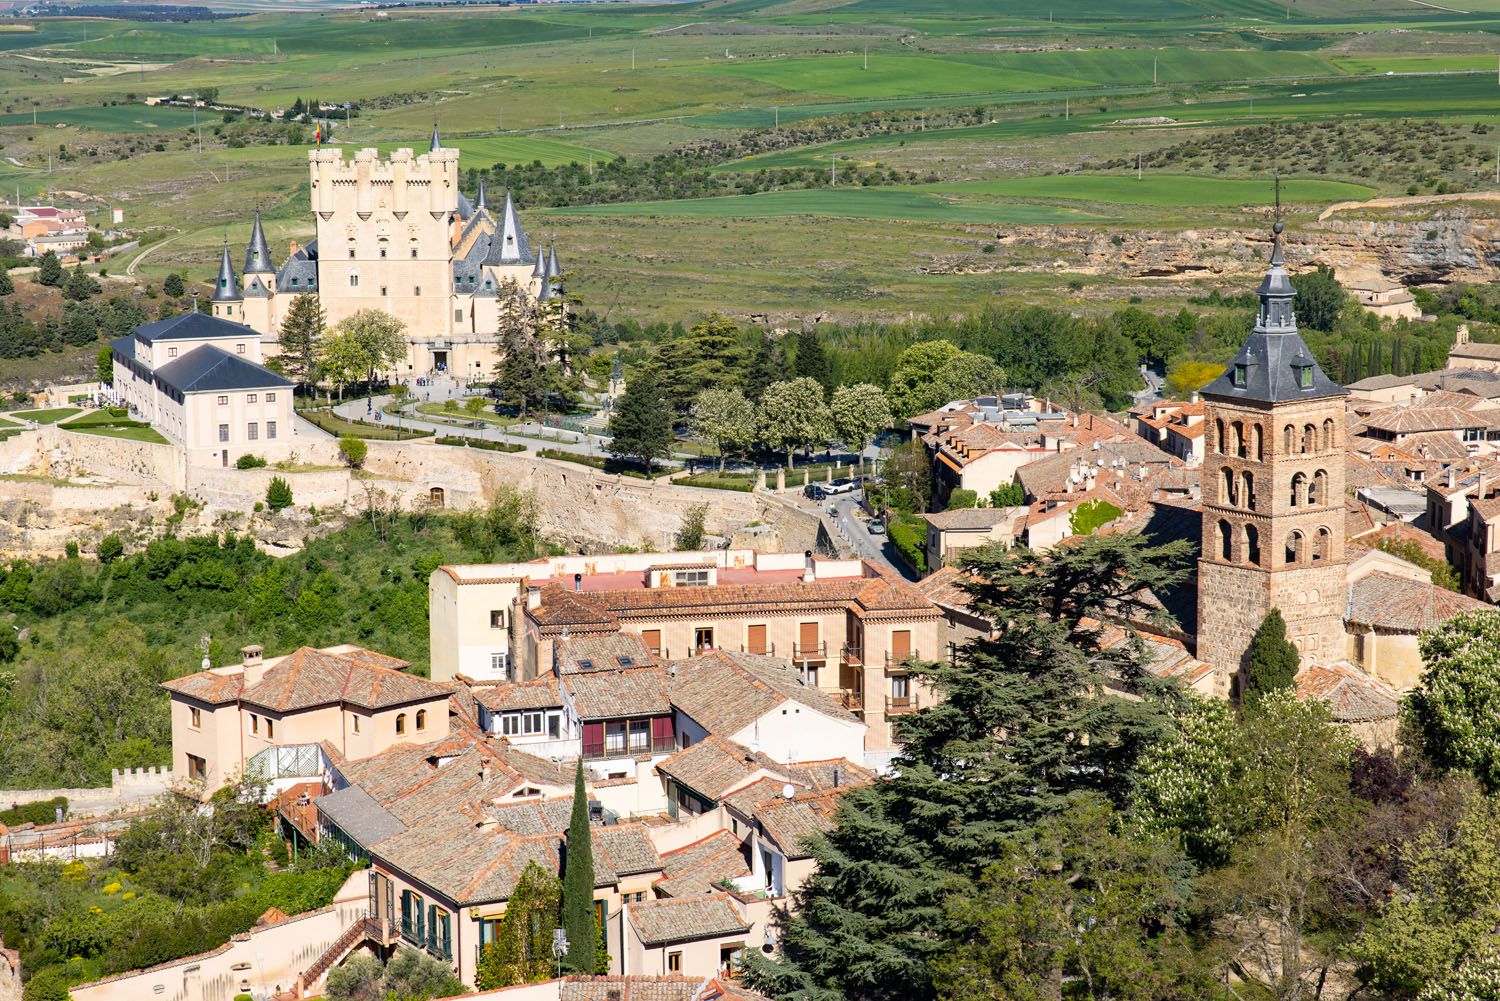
(318, 134)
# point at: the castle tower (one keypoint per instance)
(260, 283)
(226, 298)
(258, 253)
(1273, 491)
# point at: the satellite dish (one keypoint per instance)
(788, 790)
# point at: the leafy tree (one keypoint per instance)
(1477, 980)
(104, 365)
(416, 976)
(7, 284)
(377, 341)
(690, 535)
(1320, 298)
(278, 494)
(49, 270)
(1273, 658)
(173, 286)
(1186, 783)
(110, 549)
(641, 427)
(1002, 749)
(931, 373)
(794, 415)
(1442, 572)
(962, 499)
(1455, 710)
(353, 450)
(860, 412)
(49, 984)
(300, 340)
(908, 476)
(1008, 495)
(726, 418)
(1072, 901)
(810, 361)
(1187, 377)
(579, 917)
(1092, 515)
(522, 950)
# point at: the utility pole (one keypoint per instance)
(632, 59)
(1138, 174)
(1067, 109)
(867, 57)
(833, 168)
(777, 110)
(1153, 71)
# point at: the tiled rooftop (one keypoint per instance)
(695, 869)
(715, 766)
(725, 692)
(1352, 695)
(664, 922)
(1396, 604)
(309, 677)
(640, 691)
(539, 694)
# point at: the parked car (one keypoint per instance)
(876, 526)
(814, 491)
(843, 485)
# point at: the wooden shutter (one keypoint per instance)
(807, 636)
(900, 644)
(652, 639)
(757, 639)
(593, 739)
(661, 731)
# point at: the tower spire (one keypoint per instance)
(258, 254)
(437, 142)
(479, 200)
(226, 288)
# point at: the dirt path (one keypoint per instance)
(130, 271)
(1409, 201)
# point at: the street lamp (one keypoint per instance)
(559, 947)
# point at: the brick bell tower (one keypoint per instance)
(1273, 491)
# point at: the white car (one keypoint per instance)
(843, 486)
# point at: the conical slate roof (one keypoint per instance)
(479, 201)
(437, 142)
(226, 288)
(508, 244)
(258, 254)
(552, 269)
(1274, 364)
(540, 271)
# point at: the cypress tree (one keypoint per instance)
(1273, 658)
(579, 918)
(7, 286)
(767, 365)
(812, 360)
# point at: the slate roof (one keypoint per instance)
(725, 692)
(309, 677)
(190, 326)
(640, 691)
(665, 922)
(1393, 603)
(258, 252)
(209, 369)
(358, 815)
(695, 869)
(301, 267)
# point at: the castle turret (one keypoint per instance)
(437, 142)
(479, 199)
(509, 246)
(1273, 490)
(258, 254)
(226, 298)
(540, 271)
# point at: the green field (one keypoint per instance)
(482, 151)
(119, 118)
(854, 203)
(1163, 190)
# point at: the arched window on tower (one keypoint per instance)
(1328, 435)
(1294, 547)
(1322, 544)
(1237, 439)
(1247, 490)
(1289, 436)
(1219, 436)
(1257, 445)
(1309, 439)
(1226, 486)
(1299, 490)
(1318, 492)
(1252, 545)
(1226, 542)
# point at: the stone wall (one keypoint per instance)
(127, 787)
(10, 974)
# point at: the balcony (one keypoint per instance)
(810, 651)
(853, 655)
(766, 649)
(893, 661)
(852, 700)
(665, 745)
(898, 705)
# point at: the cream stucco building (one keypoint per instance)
(396, 234)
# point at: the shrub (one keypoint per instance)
(71, 549)
(908, 534)
(49, 984)
(278, 494)
(110, 548)
(962, 498)
(41, 812)
(353, 450)
(248, 461)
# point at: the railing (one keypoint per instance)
(895, 705)
(287, 761)
(660, 745)
(852, 654)
(810, 651)
(852, 700)
(893, 661)
(766, 650)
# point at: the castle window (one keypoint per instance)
(1228, 485)
(382, 290)
(270, 397)
(414, 253)
(252, 398)
(270, 429)
(1299, 490)
(351, 253)
(1309, 439)
(223, 401)
(1290, 436)
(1318, 492)
(354, 281)
(1257, 446)
(1226, 541)
(1322, 544)
(417, 290)
(1252, 545)
(1328, 435)
(421, 719)
(1219, 435)
(171, 352)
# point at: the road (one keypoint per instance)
(850, 524)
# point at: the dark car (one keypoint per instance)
(814, 491)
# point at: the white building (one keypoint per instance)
(198, 380)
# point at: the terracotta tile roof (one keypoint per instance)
(694, 870)
(560, 607)
(1487, 509)
(641, 691)
(535, 816)
(309, 677)
(725, 692)
(599, 653)
(1408, 420)
(208, 686)
(1352, 695)
(1396, 604)
(622, 850)
(1400, 531)
(450, 853)
(1474, 349)
(665, 922)
(716, 766)
(969, 519)
(637, 988)
(791, 822)
(539, 694)
(728, 990)
(942, 587)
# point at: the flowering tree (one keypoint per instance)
(1456, 708)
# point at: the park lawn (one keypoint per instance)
(719, 481)
(1161, 189)
(7, 424)
(461, 415)
(856, 203)
(102, 418)
(334, 424)
(50, 416)
(145, 433)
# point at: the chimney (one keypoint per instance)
(1452, 478)
(1195, 396)
(808, 572)
(484, 771)
(838, 776)
(1484, 483)
(251, 656)
(578, 582)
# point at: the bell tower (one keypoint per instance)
(1273, 491)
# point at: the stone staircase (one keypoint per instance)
(365, 929)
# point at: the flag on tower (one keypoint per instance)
(318, 134)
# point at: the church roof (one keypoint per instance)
(1269, 363)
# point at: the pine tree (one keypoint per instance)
(1002, 749)
(642, 423)
(579, 917)
(1273, 658)
(173, 286)
(49, 270)
(812, 360)
(767, 365)
(7, 286)
(300, 338)
(521, 377)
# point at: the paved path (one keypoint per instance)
(531, 436)
(850, 524)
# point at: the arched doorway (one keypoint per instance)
(435, 497)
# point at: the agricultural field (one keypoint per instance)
(1039, 118)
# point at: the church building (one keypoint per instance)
(397, 235)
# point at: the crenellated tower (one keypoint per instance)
(1273, 491)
